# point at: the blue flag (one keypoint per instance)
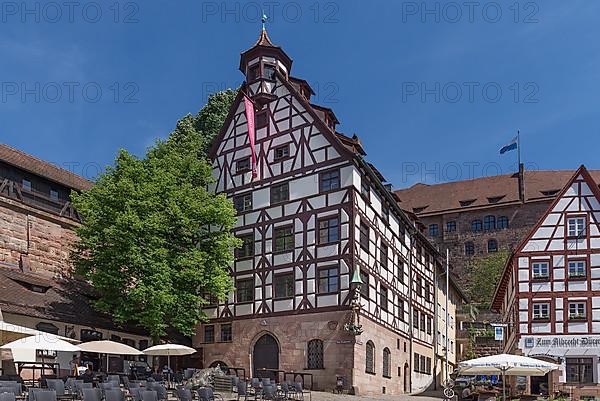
(511, 146)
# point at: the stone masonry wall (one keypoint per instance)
(35, 241)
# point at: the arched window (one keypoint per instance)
(489, 223)
(502, 223)
(469, 249)
(370, 359)
(476, 226)
(387, 366)
(492, 245)
(315, 354)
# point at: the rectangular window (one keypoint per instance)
(541, 311)
(401, 271)
(247, 248)
(245, 290)
(580, 370)
(284, 239)
(329, 180)
(328, 280)
(383, 255)
(422, 322)
(226, 333)
(385, 212)
(364, 288)
(242, 165)
(365, 190)
(243, 203)
(577, 269)
(254, 72)
(429, 325)
(577, 227)
(451, 226)
(540, 270)
(428, 366)
(433, 230)
(401, 310)
(416, 366)
(284, 285)
(329, 230)
(423, 364)
(282, 152)
(280, 193)
(209, 334)
(53, 194)
(262, 119)
(383, 298)
(269, 71)
(416, 319)
(26, 185)
(576, 310)
(364, 236)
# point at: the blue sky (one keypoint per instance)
(433, 89)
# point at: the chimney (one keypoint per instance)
(522, 182)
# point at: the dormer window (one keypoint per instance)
(54, 194)
(26, 184)
(243, 165)
(465, 203)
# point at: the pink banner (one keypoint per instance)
(251, 133)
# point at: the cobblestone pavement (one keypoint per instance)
(320, 396)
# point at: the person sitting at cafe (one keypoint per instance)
(87, 376)
(467, 393)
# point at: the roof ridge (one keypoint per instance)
(46, 164)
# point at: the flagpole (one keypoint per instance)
(518, 150)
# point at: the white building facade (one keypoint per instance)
(549, 295)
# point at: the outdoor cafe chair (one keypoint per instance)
(149, 395)
(234, 382)
(57, 385)
(114, 378)
(44, 395)
(91, 394)
(184, 394)
(114, 394)
(243, 393)
(299, 390)
(14, 388)
(206, 394)
(136, 393)
(269, 392)
(7, 396)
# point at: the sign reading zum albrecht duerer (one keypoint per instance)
(563, 342)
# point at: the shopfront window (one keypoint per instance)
(580, 370)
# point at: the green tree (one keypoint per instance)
(155, 242)
(484, 275)
(212, 116)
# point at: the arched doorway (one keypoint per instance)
(265, 356)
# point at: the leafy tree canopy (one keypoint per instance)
(155, 241)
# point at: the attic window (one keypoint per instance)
(419, 209)
(495, 199)
(550, 192)
(468, 202)
(33, 287)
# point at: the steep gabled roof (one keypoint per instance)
(502, 285)
(32, 164)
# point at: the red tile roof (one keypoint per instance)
(42, 168)
(479, 192)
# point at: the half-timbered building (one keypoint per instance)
(549, 294)
(312, 215)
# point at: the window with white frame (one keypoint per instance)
(540, 270)
(576, 226)
(541, 311)
(577, 310)
(576, 268)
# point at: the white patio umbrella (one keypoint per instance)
(42, 342)
(505, 364)
(109, 348)
(169, 350)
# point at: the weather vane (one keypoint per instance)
(264, 20)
